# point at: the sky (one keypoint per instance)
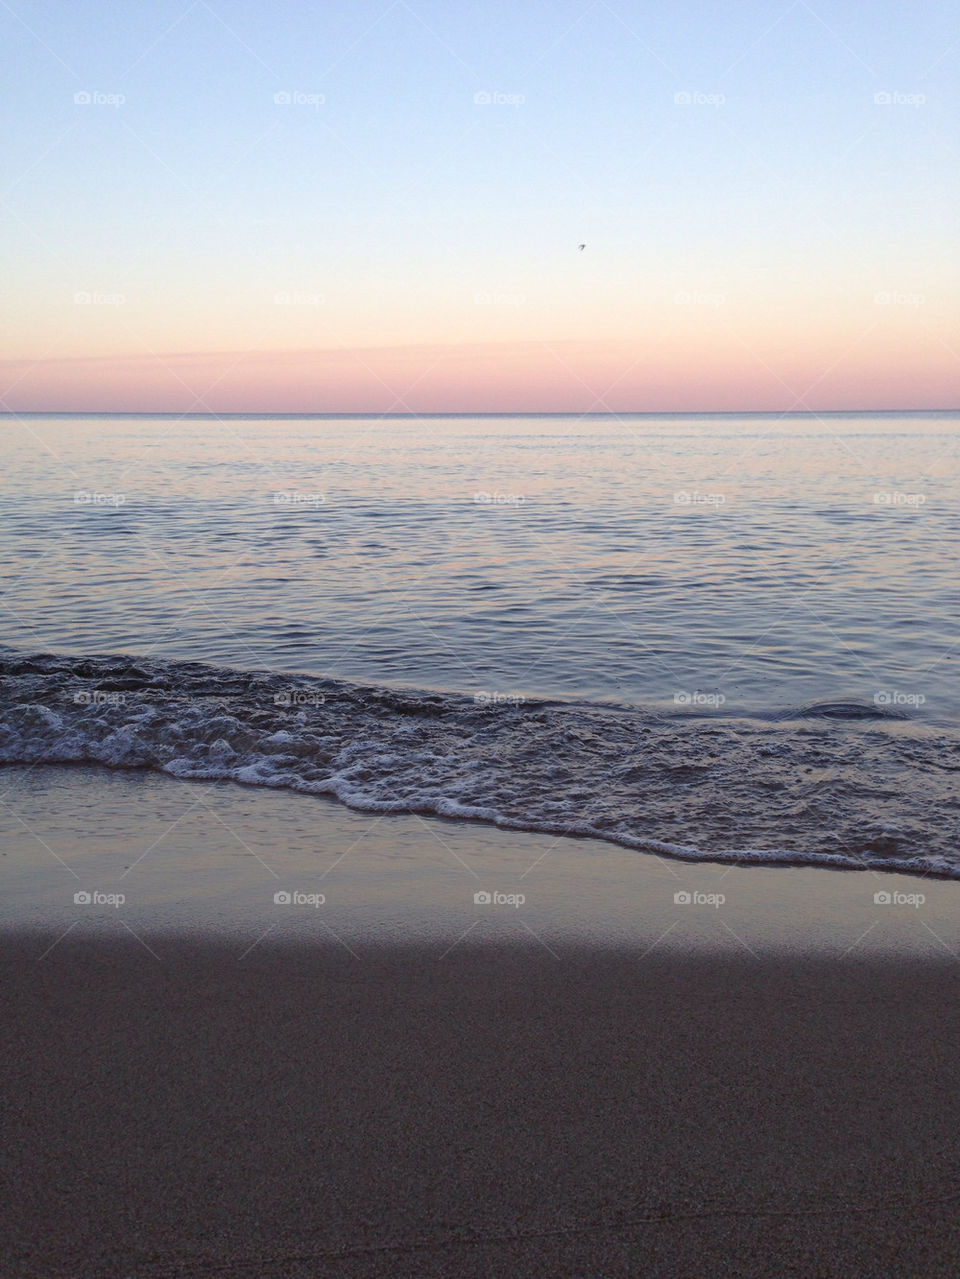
(351, 207)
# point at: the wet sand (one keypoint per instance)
(604, 1081)
(490, 1111)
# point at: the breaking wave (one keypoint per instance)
(837, 784)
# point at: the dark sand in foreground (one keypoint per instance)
(495, 1112)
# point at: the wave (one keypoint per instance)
(837, 784)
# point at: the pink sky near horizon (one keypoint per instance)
(880, 370)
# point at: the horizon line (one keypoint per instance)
(315, 413)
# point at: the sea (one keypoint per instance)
(730, 637)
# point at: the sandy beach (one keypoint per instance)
(595, 1084)
(491, 1113)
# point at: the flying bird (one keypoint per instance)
(581, 247)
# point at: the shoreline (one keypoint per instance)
(689, 786)
(212, 857)
(602, 1080)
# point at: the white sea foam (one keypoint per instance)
(840, 784)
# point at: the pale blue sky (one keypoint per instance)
(399, 197)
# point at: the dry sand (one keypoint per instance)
(494, 1111)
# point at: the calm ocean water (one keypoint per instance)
(709, 634)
